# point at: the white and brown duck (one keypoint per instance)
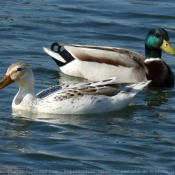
(98, 62)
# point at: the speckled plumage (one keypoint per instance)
(81, 98)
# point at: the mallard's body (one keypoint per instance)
(98, 62)
(82, 98)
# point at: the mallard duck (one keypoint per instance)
(98, 62)
(82, 98)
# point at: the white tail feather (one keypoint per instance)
(54, 54)
(140, 85)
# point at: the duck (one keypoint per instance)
(98, 62)
(79, 98)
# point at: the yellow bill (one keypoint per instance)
(6, 81)
(166, 46)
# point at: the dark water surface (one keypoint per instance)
(138, 140)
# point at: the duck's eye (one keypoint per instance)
(19, 69)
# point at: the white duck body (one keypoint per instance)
(82, 98)
(98, 62)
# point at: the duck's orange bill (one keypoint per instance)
(6, 81)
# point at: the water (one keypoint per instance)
(136, 140)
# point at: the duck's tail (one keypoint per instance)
(136, 87)
(61, 57)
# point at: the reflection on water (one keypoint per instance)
(157, 96)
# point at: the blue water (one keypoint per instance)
(137, 140)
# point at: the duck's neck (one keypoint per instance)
(26, 89)
(25, 97)
(152, 53)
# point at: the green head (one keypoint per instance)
(156, 41)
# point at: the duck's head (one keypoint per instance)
(19, 73)
(156, 41)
